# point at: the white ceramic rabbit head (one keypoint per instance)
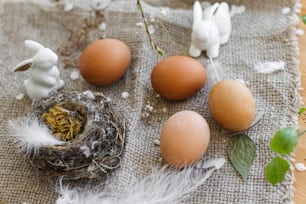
(203, 24)
(44, 58)
(45, 75)
(210, 29)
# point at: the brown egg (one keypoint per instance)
(232, 105)
(178, 77)
(184, 139)
(103, 62)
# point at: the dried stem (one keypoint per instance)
(78, 38)
(157, 49)
(301, 133)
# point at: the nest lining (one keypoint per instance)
(98, 147)
(66, 120)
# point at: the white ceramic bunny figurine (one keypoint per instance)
(45, 76)
(211, 28)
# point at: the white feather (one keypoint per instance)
(29, 134)
(162, 186)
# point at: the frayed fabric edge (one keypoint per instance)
(287, 187)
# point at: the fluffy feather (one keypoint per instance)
(162, 186)
(29, 134)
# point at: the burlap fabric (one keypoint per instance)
(260, 34)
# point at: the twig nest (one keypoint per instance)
(92, 132)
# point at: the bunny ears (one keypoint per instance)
(198, 13)
(27, 64)
(33, 45)
(23, 66)
(197, 10)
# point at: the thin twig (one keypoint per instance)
(157, 49)
(257, 119)
(301, 133)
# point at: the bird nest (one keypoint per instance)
(92, 132)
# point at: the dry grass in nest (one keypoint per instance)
(95, 151)
(66, 120)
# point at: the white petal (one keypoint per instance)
(300, 167)
(102, 26)
(299, 31)
(286, 10)
(125, 94)
(68, 7)
(19, 96)
(74, 75)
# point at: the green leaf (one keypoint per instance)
(304, 19)
(161, 52)
(242, 151)
(302, 110)
(276, 170)
(284, 140)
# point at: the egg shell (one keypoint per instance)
(232, 105)
(104, 62)
(178, 77)
(184, 139)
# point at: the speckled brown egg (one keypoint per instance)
(232, 105)
(104, 62)
(184, 139)
(178, 77)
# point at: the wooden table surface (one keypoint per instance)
(300, 156)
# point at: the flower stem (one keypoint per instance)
(157, 49)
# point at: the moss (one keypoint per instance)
(64, 123)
